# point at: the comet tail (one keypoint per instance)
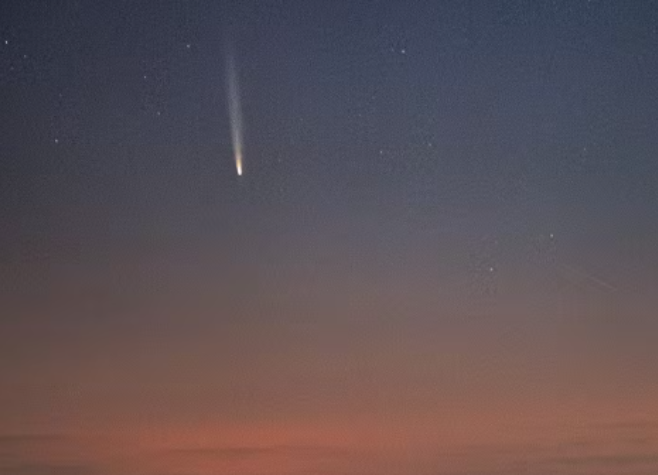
(235, 111)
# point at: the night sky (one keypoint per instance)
(441, 257)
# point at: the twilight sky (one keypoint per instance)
(441, 258)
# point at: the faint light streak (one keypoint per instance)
(588, 278)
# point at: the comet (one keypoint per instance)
(235, 111)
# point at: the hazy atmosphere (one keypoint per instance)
(329, 237)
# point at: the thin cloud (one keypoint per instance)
(628, 426)
(48, 469)
(245, 452)
(607, 461)
(20, 439)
